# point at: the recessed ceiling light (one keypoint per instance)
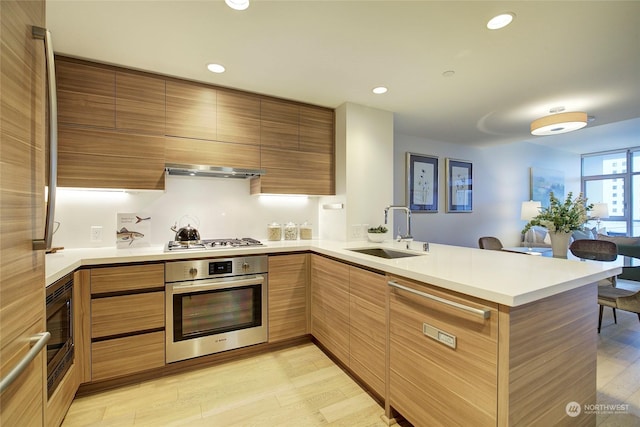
(448, 73)
(237, 4)
(500, 21)
(215, 68)
(379, 90)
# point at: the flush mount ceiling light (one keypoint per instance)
(559, 123)
(215, 68)
(380, 90)
(500, 21)
(237, 4)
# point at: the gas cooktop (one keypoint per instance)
(212, 244)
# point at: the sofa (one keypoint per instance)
(538, 237)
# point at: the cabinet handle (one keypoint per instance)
(45, 242)
(38, 341)
(485, 313)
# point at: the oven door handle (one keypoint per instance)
(214, 284)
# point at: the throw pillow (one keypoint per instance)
(582, 234)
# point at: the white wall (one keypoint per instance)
(500, 185)
(222, 206)
(364, 172)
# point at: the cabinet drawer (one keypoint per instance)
(129, 278)
(427, 376)
(124, 356)
(126, 314)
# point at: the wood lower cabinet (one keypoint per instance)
(368, 327)
(127, 320)
(129, 355)
(330, 305)
(432, 383)
(288, 296)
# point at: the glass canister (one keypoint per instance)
(274, 231)
(306, 231)
(290, 231)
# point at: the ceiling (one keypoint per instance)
(583, 56)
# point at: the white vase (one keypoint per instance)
(559, 243)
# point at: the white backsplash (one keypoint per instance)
(222, 206)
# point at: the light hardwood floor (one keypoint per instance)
(301, 386)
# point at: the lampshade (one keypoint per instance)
(600, 210)
(559, 123)
(529, 210)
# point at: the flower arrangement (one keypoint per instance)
(378, 229)
(562, 217)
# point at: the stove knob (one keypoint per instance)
(193, 272)
(245, 266)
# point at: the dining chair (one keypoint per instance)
(608, 293)
(489, 242)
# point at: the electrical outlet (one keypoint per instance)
(96, 233)
(356, 230)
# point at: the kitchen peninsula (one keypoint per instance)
(500, 338)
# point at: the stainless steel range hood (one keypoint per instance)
(211, 171)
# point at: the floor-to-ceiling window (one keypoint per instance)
(613, 178)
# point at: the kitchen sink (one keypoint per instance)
(384, 253)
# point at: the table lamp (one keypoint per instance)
(599, 211)
(528, 211)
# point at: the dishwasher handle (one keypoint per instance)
(485, 313)
(38, 342)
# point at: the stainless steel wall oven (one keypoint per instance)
(59, 308)
(215, 305)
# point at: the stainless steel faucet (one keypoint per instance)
(407, 237)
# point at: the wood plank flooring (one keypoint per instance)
(300, 386)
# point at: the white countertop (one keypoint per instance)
(506, 278)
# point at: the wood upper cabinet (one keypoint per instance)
(317, 130)
(279, 125)
(330, 305)
(288, 295)
(428, 377)
(368, 327)
(238, 117)
(140, 103)
(97, 158)
(297, 150)
(191, 110)
(86, 94)
(214, 153)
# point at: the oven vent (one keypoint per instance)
(211, 171)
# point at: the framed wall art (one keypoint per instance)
(422, 183)
(459, 176)
(545, 181)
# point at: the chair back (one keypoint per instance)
(489, 242)
(596, 250)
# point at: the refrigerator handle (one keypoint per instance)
(44, 34)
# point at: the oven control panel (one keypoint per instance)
(179, 271)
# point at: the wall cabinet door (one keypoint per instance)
(191, 111)
(140, 103)
(427, 377)
(95, 158)
(238, 117)
(368, 327)
(288, 308)
(279, 125)
(86, 95)
(213, 153)
(330, 305)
